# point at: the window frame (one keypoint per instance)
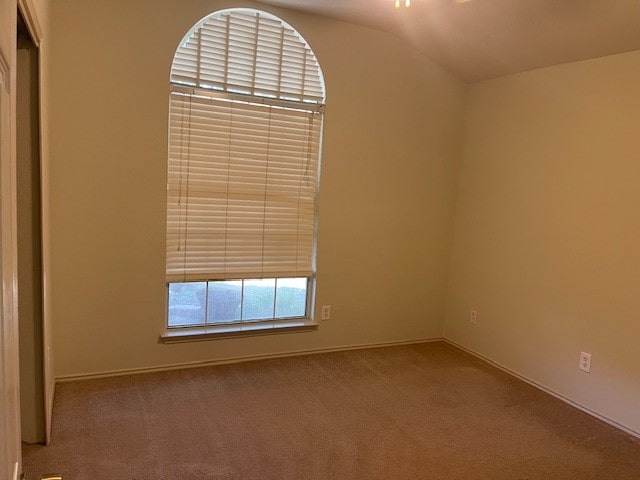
(308, 304)
(242, 327)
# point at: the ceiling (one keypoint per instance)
(481, 39)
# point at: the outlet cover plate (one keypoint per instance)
(585, 362)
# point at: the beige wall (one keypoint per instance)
(390, 165)
(547, 233)
(545, 237)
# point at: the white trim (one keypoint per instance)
(546, 389)
(236, 330)
(248, 358)
(8, 261)
(345, 348)
(45, 238)
(28, 11)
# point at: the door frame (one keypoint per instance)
(10, 458)
(30, 17)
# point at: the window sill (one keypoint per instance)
(195, 334)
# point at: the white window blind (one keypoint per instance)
(243, 163)
(250, 52)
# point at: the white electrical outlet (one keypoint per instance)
(585, 362)
(326, 312)
(473, 318)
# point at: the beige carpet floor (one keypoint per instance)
(412, 412)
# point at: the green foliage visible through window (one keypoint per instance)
(235, 301)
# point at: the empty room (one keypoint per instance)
(368, 239)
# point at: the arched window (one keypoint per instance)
(245, 128)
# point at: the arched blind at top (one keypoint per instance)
(250, 52)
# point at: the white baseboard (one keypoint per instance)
(546, 389)
(249, 358)
(344, 348)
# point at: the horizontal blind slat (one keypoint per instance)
(241, 189)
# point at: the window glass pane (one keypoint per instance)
(187, 303)
(291, 297)
(224, 301)
(258, 299)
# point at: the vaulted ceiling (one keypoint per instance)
(481, 39)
